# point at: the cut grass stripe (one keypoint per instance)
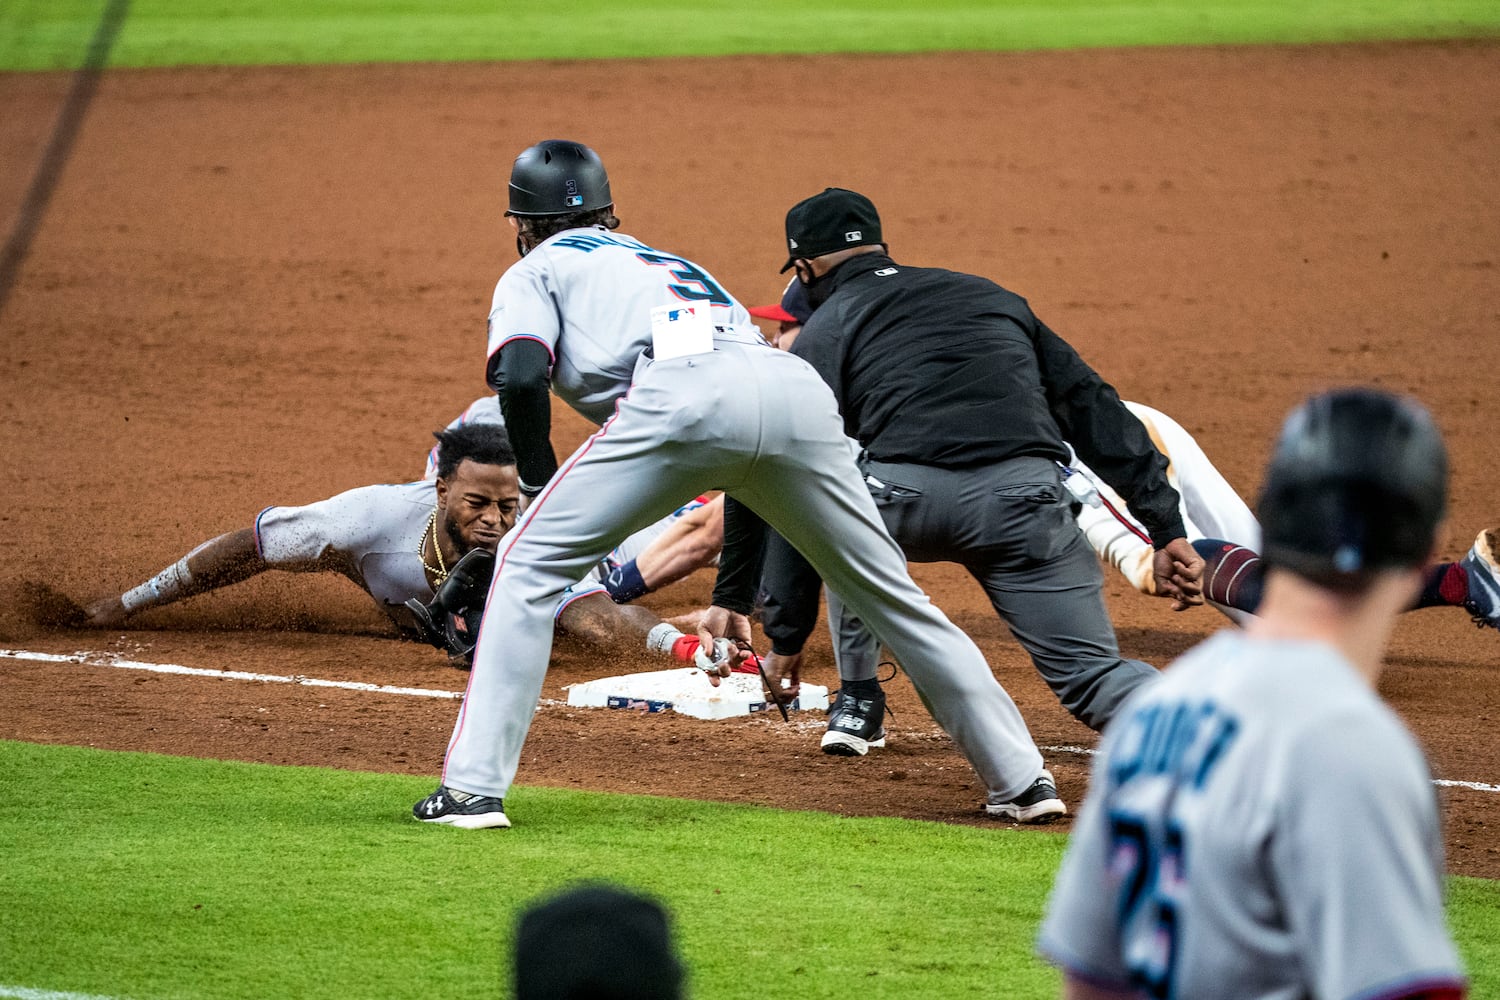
(51, 34)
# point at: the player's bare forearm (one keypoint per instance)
(597, 620)
(691, 543)
(218, 562)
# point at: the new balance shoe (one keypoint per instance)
(461, 809)
(1483, 571)
(1038, 804)
(856, 723)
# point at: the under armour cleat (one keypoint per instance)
(462, 809)
(1482, 570)
(855, 723)
(1038, 804)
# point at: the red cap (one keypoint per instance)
(774, 312)
(793, 307)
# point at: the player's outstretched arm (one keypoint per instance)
(691, 543)
(218, 562)
(599, 621)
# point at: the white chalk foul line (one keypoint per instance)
(1474, 786)
(23, 993)
(106, 660)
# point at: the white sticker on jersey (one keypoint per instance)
(677, 331)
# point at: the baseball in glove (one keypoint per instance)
(450, 621)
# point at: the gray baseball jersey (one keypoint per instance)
(595, 320)
(1259, 824)
(737, 415)
(371, 535)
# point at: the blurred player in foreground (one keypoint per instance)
(1259, 823)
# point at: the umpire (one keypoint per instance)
(961, 400)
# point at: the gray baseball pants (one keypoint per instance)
(761, 425)
(1012, 527)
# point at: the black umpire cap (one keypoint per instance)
(837, 219)
(1358, 483)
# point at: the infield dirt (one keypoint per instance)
(259, 286)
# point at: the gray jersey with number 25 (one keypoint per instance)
(1259, 824)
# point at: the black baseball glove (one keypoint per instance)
(450, 621)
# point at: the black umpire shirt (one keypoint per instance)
(936, 367)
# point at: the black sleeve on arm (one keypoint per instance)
(520, 372)
(1108, 436)
(790, 589)
(741, 558)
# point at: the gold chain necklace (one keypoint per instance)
(440, 571)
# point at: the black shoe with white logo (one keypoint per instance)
(856, 722)
(1038, 804)
(461, 809)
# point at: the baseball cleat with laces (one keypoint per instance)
(855, 723)
(1038, 804)
(464, 810)
(1482, 569)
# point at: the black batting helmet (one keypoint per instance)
(558, 177)
(1358, 483)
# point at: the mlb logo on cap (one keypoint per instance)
(834, 220)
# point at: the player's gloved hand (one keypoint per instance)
(721, 623)
(783, 676)
(450, 621)
(1178, 573)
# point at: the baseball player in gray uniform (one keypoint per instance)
(393, 541)
(691, 399)
(1259, 823)
(398, 542)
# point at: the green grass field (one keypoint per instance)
(174, 877)
(133, 875)
(51, 34)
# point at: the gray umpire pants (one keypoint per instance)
(761, 425)
(1011, 526)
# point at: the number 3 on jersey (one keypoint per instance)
(696, 286)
